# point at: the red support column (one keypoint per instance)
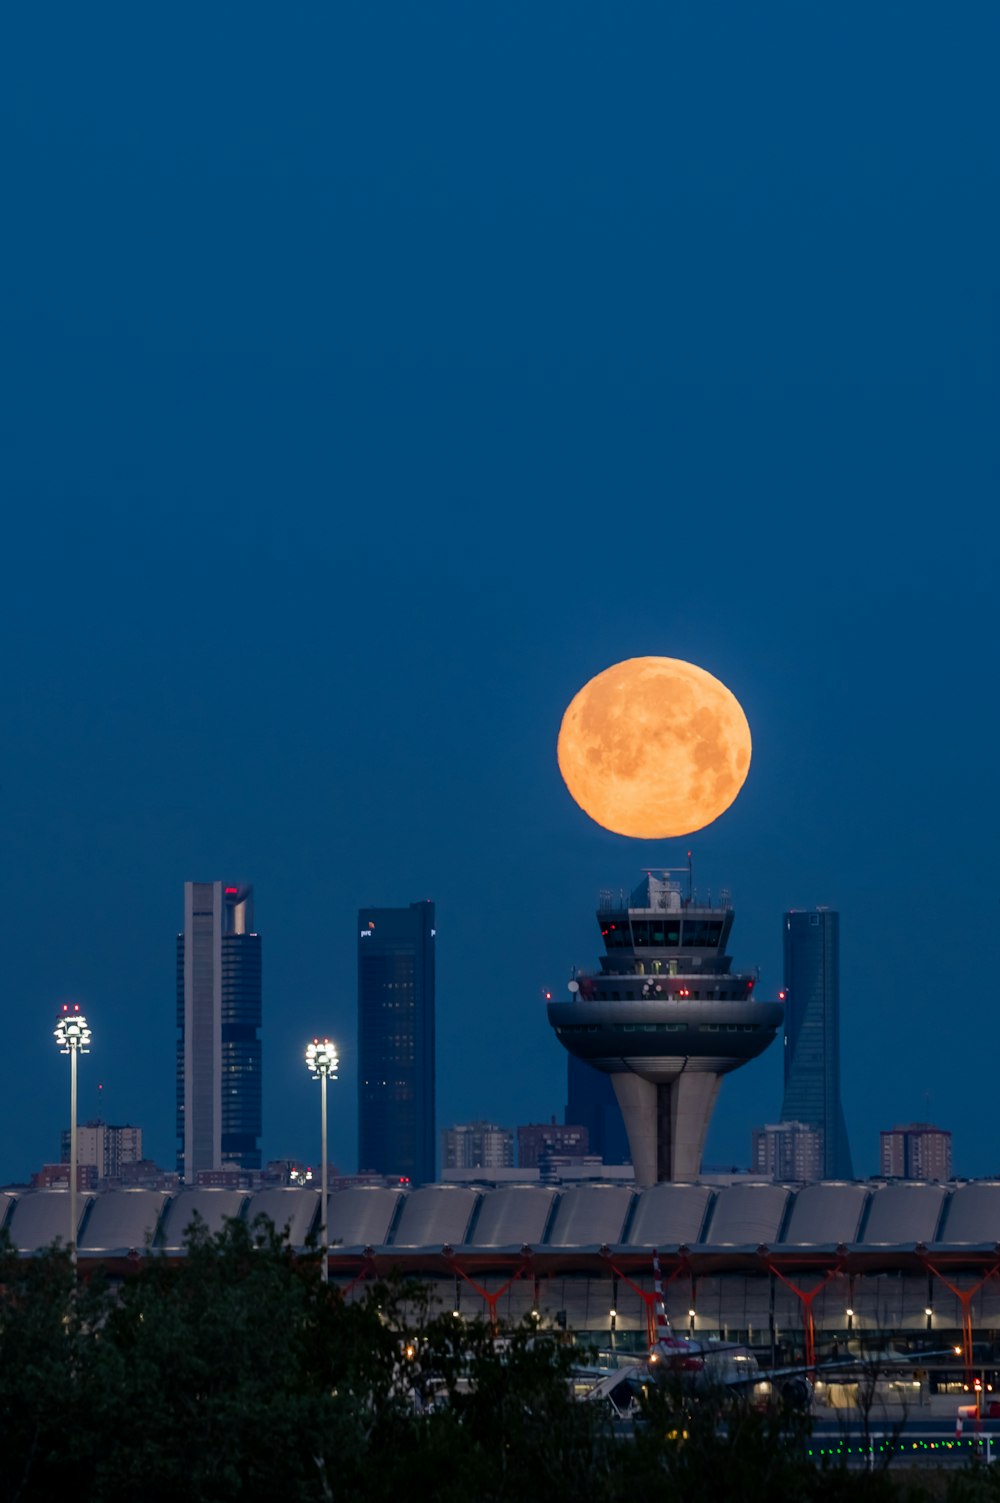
(806, 1297)
(965, 1298)
(493, 1298)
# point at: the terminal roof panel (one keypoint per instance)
(41, 1217)
(900, 1214)
(668, 1215)
(7, 1202)
(292, 1212)
(826, 1215)
(746, 1215)
(214, 1207)
(590, 1215)
(122, 1219)
(973, 1215)
(362, 1215)
(513, 1216)
(435, 1215)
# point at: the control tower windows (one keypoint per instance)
(702, 934)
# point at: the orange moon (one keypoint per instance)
(654, 747)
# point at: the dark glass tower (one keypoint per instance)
(812, 1033)
(396, 1127)
(218, 1018)
(591, 1101)
(665, 1017)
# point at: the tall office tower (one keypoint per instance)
(788, 1151)
(591, 1101)
(396, 1131)
(477, 1145)
(666, 1018)
(219, 1017)
(916, 1151)
(812, 1033)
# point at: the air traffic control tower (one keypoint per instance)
(666, 1018)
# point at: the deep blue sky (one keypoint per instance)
(375, 375)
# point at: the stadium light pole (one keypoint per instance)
(321, 1059)
(72, 1034)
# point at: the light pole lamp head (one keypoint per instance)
(321, 1058)
(72, 1032)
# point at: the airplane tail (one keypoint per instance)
(663, 1329)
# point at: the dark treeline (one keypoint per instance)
(236, 1374)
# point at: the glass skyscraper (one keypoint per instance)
(812, 1033)
(218, 1021)
(396, 1128)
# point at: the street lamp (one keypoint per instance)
(73, 1037)
(321, 1059)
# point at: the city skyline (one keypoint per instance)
(371, 384)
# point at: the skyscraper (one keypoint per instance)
(218, 1017)
(666, 1018)
(396, 1129)
(812, 1033)
(591, 1100)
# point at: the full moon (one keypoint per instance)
(654, 747)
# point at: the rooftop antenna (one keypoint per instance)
(690, 879)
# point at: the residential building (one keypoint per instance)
(538, 1140)
(218, 1018)
(918, 1150)
(788, 1151)
(56, 1177)
(812, 1033)
(396, 1122)
(477, 1145)
(106, 1146)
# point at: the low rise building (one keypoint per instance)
(536, 1140)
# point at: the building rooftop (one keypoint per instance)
(709, 1219)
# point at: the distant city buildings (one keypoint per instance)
(812, 1033)
(219, 1117)
(107, 1147)
(56, 1177)
(916, 1151)
(537, 1141)
(396, 1113)
(477, 1145)
(788, 1151)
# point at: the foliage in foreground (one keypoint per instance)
(236, 1374)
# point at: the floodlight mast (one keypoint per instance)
(72, 1034)
(321, 1059)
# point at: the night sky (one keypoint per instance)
(374, 375)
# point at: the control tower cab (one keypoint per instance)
(666, 1018)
